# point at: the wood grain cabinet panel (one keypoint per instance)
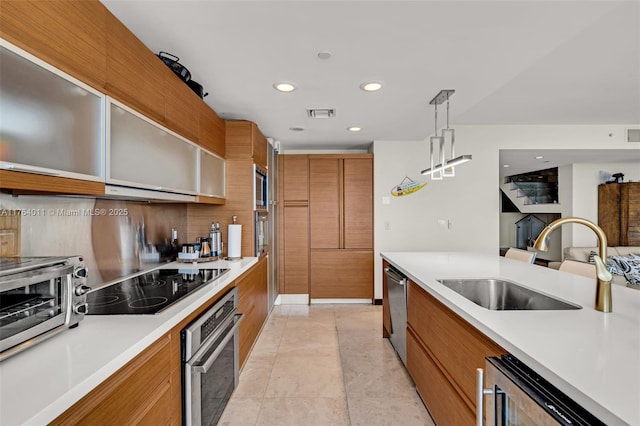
(342, 274)
(325, 204)
(294, 175)
(130, 395)
(455, 346)
(358, 203)
(444, 404)
(245, 141)
(295, 245)
(135, 75)
(182, 107)
(252, 289)
(70, 35)
(211, 135)
(619, 213)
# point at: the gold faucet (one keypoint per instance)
(603, 286)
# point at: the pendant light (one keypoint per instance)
(445, 167)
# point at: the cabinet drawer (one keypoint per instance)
(455, 345)
(442, 400)
(342, 274)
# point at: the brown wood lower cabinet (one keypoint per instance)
(252, 287)
(132, 395)
(443, 353)
(148, 389)
(444, 404)
(342, 274)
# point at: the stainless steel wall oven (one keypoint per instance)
(39, 297)
(210, 361)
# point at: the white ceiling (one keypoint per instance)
(510, 62)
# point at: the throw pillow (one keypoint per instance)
(627, 266)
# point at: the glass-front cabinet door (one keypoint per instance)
(143, 154)
(212, 175)
(50, 123)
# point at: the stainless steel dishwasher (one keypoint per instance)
(397, 289)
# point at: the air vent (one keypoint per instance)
(633, 135)
(321, 112)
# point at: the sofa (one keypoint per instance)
(581, 254)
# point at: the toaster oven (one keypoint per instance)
(39, 297)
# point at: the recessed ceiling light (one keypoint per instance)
(324, 55)
(296, 129)
(284, 86)
(371, 86)
(354, 129)
(539, 157)
(505, 165)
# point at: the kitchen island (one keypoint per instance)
(591, 356)
(39, 384)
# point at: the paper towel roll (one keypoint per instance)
(234, 244)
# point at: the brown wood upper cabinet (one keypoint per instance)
(619, 213)
(341, 202)
(211, 135)
(70, 35)
(182, 107)
(245, 141)
(135, 75)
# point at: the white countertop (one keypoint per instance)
(591, 356)
(39, 384)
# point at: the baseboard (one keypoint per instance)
(377, 301)
(323, 301)
(292, 299)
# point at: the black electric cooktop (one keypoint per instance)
(149, 293)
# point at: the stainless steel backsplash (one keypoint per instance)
(116, 238)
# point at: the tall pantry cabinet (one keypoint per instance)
(340, 225)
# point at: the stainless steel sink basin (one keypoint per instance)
(503, 295)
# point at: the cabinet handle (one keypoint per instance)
(35, 172)
(480, 393)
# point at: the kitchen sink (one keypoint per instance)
(504, 295)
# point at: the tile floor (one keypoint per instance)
(324, 365)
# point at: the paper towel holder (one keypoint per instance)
(234, 219)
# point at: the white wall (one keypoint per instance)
(470, 200)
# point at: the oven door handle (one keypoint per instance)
(201, 366)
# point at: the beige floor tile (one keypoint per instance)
(241, 412)
(268, 343)
(306, 376)
(254, 377)
(376, 377)
(389, 411)
(312, 340)
(303, 412)
(368, 344)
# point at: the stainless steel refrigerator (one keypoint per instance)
(272, 187)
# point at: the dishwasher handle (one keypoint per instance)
(395, 276)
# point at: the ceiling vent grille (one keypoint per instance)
(321, 112)
(633, 135)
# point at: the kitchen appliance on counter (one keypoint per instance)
(210, 361)
(397, 289)
(519, 396)
(39, 298)
(151, 292)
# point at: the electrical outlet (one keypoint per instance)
(387, 225)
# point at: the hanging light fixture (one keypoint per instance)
(445, 167)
